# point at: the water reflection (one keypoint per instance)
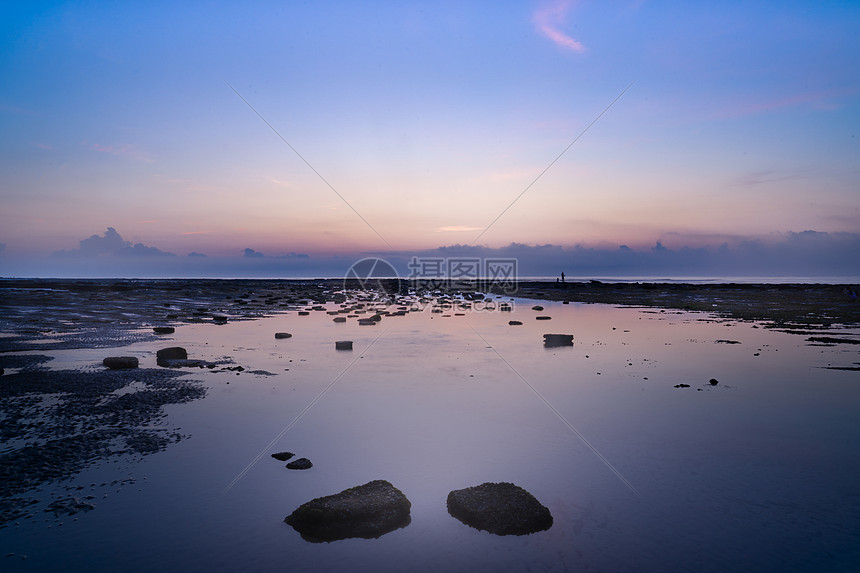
(756, 472)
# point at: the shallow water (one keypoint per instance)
(759, 472)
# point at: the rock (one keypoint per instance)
(2, 371)
(280, 335)
(218, 319)
(343, 345)
(682, 385)
(120, 362)
(163, 329)
(550, 340)
(303, 313)
(172, 353)
(543, 318)
(537, 307)
(366, 322)
(500, 508)
(300, 464)
(283, 456)
(339, 319)
(713, 381)
(367, 511)
(515, 323)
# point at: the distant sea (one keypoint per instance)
(833, 280)
(823, 279)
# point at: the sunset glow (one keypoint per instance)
(413, 127)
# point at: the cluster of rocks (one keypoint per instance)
(298, 464)
(376, 508)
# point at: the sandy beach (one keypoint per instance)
(684, 427)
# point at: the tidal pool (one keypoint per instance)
(758, 472)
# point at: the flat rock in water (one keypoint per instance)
(550, 340)
(366, 322)
(537, 307)
(343, 345)
(163, 329)
(280, 335)
(300, 464)
(515, 323)
(283, 456)
(119, 362)
(500, 508)
(172, 353)
(543, 317)
(367, 511)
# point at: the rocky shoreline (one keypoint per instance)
(48, 439)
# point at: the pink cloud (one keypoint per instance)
(548, 18)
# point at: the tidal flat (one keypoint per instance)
(686, 427)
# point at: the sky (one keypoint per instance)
(289, 139)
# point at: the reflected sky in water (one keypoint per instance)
(756, 473)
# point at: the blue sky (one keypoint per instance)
(429, 119)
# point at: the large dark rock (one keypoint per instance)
(163, 329)
(500, 508)
(368, 511)
(281, 335)
(343, 345)
(120, 362)
(283, 456)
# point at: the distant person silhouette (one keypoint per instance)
(562, 276)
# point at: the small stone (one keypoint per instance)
(172, 353)
(713, 381)
(339, 319)
(163, 329)
(343, 345)
(300, 464)
(283, 456)
(537, 307)
(543, 318)
(367, 322)
(120, 362)
(550, 340)
(515, 323)
(280, 335)
(682, 385)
